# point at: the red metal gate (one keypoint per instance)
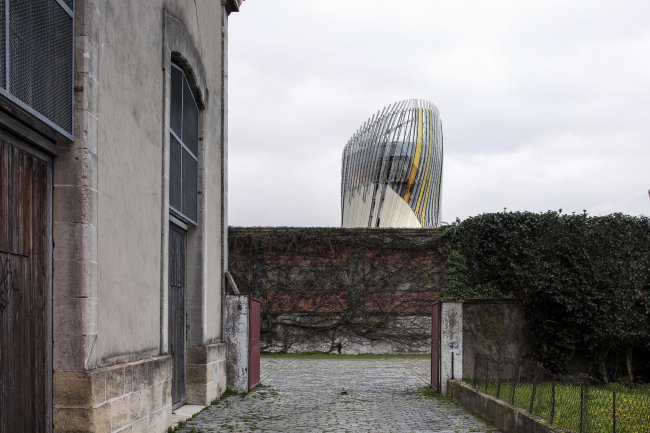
(435, 346)
(254, 311)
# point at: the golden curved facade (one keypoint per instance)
(392, 169)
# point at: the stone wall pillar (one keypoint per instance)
(451, 343)
(206, 373)
(236, 325)
(74, 292)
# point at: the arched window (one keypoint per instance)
(184, 147)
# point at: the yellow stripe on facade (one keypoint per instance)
(427, 176)
(416, 159)
(426, 196)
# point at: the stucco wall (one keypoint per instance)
(493, 327)
(131, 207)
(340, 289)
(451, 343)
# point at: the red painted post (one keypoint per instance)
(254, 312)
(435, 347)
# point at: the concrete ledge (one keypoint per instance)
(503, 415)
(184, 413)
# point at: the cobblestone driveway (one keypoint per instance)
(338, 395)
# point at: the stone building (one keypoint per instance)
(113, 148)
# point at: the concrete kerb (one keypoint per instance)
(503, 415)
(184, 413)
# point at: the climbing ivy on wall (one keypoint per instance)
(584, 281)
(344, 287)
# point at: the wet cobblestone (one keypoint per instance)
(338, 395)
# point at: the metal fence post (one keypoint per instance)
(532, 396)
(553, 400)
(515, 379)
(614, 411)
(487, 373)
(476, 359)
(582, 405)
(498, 380)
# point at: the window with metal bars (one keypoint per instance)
(37, 58)
(184, 147)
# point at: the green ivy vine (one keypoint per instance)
(584, 281)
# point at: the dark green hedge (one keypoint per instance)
(584, 281)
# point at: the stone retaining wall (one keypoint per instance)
(206, 373)
(503, 415)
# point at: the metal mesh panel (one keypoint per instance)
(184, 120)
(190, 173)
(190, 120)
(175, 173)
(3, 54)
(176, 101)
(68, 3)
(40, 58)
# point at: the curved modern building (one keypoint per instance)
(392, 169)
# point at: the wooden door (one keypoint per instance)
(177, 318)
(25, 288)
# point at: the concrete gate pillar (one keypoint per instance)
(451, 343)
(237, 340)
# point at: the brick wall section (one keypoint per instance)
(134, 397)
(411, 302)
(305, 301)
(308, 277)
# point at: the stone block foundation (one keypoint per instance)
(206, 373)
(131, 397)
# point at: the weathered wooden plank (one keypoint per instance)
(25, 393)
(4, 197)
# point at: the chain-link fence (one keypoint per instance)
(578, 403)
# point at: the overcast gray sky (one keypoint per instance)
(544, 104)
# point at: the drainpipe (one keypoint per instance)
(227, 6)
(224, 162)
